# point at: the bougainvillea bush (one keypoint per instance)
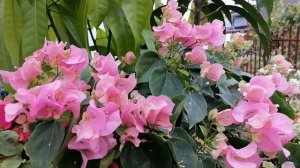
(184, 105)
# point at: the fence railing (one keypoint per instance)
(285, 41)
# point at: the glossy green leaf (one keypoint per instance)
(148, 36)
(179, 102)
(9, 143)
(107, 160)
(11, 162)
(35, 26)
(284, 107)
(44, 143)
(265, 7)
(138, 13)
(229, 98)
(134, 157)
(157, 150)
(12, 29)
(123, 35)
(145, 65)
(164, 83)
(180, 133)
(294, 156)
(5, 59)
(183, 153)
(97, 10)
(196, 107)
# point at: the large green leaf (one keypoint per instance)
(97, 10)
(180, 133)
(284, 106)
(294, 156)
(164, 83)
(44, 143)
(5, 59)
(265, 7)
(118, 24)
(138, 13)
(11, 162)
(145, 65)
(9, 143)
(134, 157)
(74, 17)
(12, 29)
(196, 107)
(148, 36)
(183, 153)
(179, 102)
(35, 25)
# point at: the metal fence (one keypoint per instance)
(285, 41)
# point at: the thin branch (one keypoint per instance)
(109, 41)
(52, 24)
(92, 36)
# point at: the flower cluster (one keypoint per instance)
(114, 105)
(175, 34)
(266, 128)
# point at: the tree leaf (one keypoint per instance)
(229, 98)
(294, 156)
(35, 26)
(196, 107)
(138, 13)
(107, 160)
(148, 36)
(44, 143)
(284, 107)
(9, 143)
(97, 10)
(183, 153)
(118, 24)
(12, 29)
(265, 7)
(11, 162)
(5, 59)
(145, 65)
(180, 133)
(140, 158)
(179, 102)
(165, 83)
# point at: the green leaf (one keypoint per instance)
(157, 150)
(134, 157)
(196, 107)
(74, 17)
(5, 59)
(179, 102)
(86, 74)
(123, 35)
(294, 156)
(183, 153)
(284, 107)
(165, 83)
(11, 162)
(97, 10)
(180, 133)
(229, 98)
(12, 29)
(44, 143)
(265, 7)
(138, 13)
(148, 36)
(107, 160)
(35, 26)
(9, 143)
(145, 65)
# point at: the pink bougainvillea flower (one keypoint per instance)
(259, 89)
(196, 56)
(280, 82)
(244, 157)
(212, 72)
(22, 77)
(105, 64)
(129, 58)
(171, 13)
(164, 32)
(12, 110)
(276, 132)
(3, 124)
(51, 53)
(131, 135)
(220, 150)
(184, 34)
(281, 62)
(225, 117)
(131, 116)
(288, 164)
(74, 61)
(157, 111)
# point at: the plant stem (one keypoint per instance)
(198, 5)
(92, 36)
(53, 25)
(108, 41)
